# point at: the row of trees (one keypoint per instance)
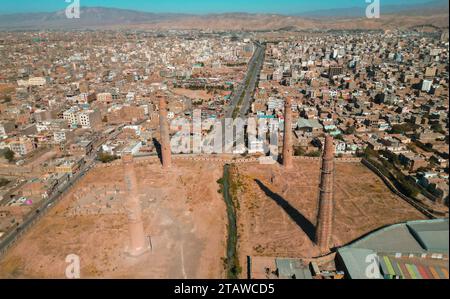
(387, 167)
(301, 152)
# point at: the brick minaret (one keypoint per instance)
(324, 226)
(164, 132)
(138, 242)
(287, 142)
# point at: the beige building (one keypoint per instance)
(21, 146)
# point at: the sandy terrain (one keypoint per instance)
(197, 94)
(182, 211)
(6, 88)
(277, 209)
(40, 158)
(185, 217)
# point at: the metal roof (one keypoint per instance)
(395, 238)
(416, 239)
(355, 262)
(433, 236)
(287, 268)
(308, 123)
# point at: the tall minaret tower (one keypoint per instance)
(164, 132)
(138, 242)
(287, 142)
(324, 226)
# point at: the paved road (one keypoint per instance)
(242, 96)
(30, 219)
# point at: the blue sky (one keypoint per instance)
(196, 6)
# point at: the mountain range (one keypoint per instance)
(435, 13)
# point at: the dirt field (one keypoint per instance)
(185, 217)
(197, 94)
(277, 209)
(182, 211)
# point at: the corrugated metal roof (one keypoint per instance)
(355, 261)
(288, 268)
(432, 235)
(429, 236)
(308, 123)
(396, 238)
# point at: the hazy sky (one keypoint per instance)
(196, 6)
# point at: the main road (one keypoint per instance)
(11, 236)
(242, 95)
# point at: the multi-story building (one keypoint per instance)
(34, 81)
(71, 116)
(335, 71)
(21, 146)
(105, 97)
(89, 119)
(62, 136)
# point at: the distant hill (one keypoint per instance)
(111, 18)
(423, 9)
(89, 17)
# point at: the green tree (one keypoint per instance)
(3, 182)
(403, 128)
(299, 151)
(437, 128)
(9, 155)
(350, 130)
(314, 154)
(106, 158)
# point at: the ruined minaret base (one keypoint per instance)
(138, 244)
(137, 252)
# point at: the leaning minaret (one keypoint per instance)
(324, 226)
(164, 132)
(138, 242)
(287, 142)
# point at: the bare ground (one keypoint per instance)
(182, 211)
(185, 217)
(277, 208)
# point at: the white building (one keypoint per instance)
(426, 85)
(84, 118)
(34, 81)
(104, 97)
(71, 116)
(21, 146)
(89, 118)
(61, 136)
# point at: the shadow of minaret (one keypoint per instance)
(158, 149)
(295, 215)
